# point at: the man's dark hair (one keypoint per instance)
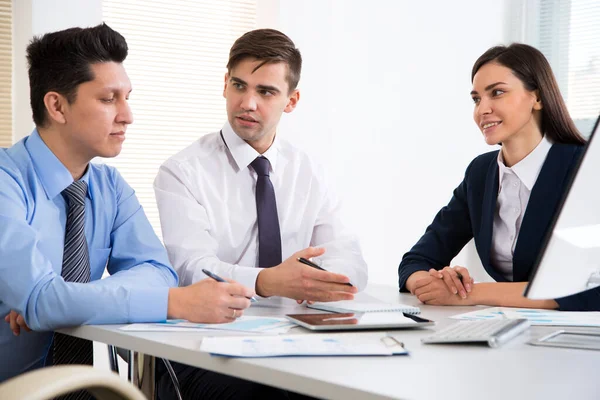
(61, 61)
(268, 46)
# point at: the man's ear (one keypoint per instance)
(293, 100)
(225, 85)
(538, 101)
(55, 106)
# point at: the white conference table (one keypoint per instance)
(514, 371)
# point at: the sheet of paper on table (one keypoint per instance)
(356, 344)
(536, 316)
(251, 324)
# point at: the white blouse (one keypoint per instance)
(516, 183)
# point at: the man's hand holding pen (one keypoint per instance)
(299, 281)
(209, 301)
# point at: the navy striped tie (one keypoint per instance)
(75, 268)
(269, 237)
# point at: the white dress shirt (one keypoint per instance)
(207, 205)
(516, 183)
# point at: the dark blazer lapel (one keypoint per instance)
(545, 195)
(490, 197)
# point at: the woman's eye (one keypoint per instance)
(497, 92)
(475, 99)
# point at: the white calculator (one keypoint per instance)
(494, 332)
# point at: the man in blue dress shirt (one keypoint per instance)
(79, 94)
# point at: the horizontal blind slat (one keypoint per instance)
(178, 52)
(5, 73)
(571, 29)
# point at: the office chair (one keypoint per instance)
(127, 355)
(48, 383)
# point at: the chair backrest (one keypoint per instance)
(51, 382)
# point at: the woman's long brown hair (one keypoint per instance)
(531, 67)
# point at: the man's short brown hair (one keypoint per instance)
(268, 46)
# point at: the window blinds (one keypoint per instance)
(569, 36)
(178, 51)
(5, 73)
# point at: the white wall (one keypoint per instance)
(385, 101)
(36, 17)
(385, 105)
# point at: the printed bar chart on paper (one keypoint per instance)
(242, 324)
(536, 316)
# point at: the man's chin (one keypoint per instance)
(248, 134)
(110, 153)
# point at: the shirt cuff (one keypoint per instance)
(148, 304)
(247, 276)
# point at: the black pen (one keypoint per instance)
(219, 279)
(312, 264)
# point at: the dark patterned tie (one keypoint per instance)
(75, 268)
(269, 237)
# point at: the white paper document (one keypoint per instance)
(243, 324)
(304, 345)
(157, 327)
(536, 316)
(345, 306)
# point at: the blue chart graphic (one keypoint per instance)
(254, 325)
(245, 324)
(537, 317)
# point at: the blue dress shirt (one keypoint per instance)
(32, 231)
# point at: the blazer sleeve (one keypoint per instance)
(584, 301)
(449, 232)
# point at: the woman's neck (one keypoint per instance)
(517, 148)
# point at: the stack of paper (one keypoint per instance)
(304, 345)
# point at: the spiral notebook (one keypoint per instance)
(352, 306)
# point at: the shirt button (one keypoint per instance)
(515, 184)
(512, 238)
(516, 210)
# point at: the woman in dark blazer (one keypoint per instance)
(508, 197)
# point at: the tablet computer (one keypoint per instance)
(358, 321)
(574, 339)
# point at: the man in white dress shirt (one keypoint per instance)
(245, 204)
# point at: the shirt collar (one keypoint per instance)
(528, 169)
(53, 175)
(243, 154)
